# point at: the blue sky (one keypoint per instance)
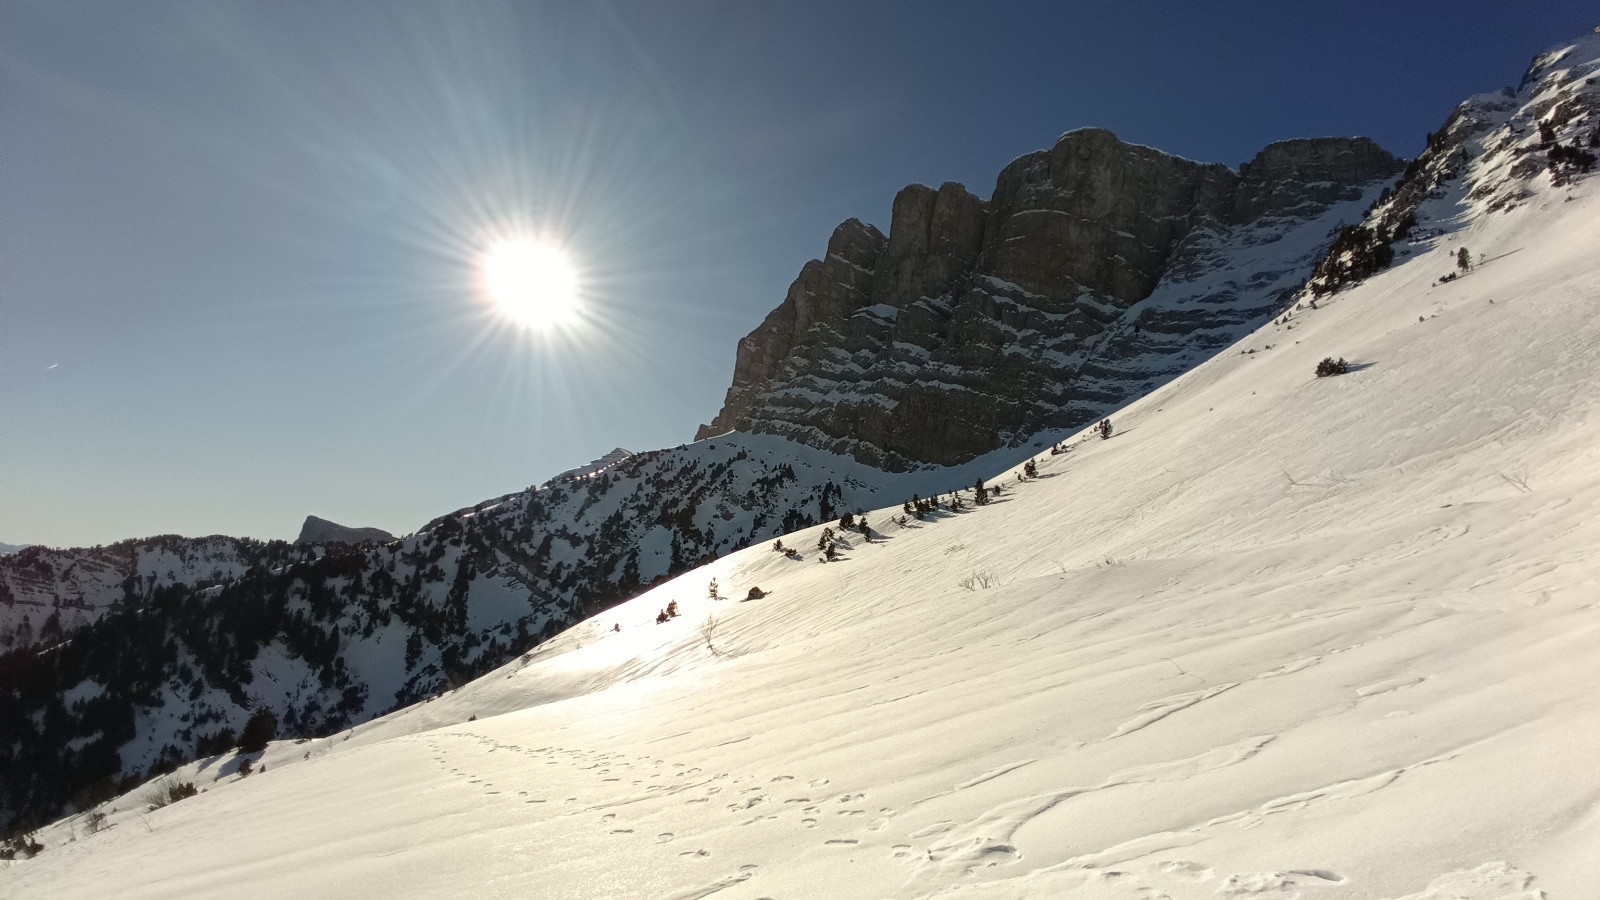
(237, 240)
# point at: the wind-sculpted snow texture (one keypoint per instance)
(1097, 271)
(1279, 636)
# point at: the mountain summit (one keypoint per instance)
(1096, 270)
(322, 531)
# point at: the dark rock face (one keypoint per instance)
(322, 531)
(1305, 176)
(1096, 271)
(1095, 213)
(934, 237)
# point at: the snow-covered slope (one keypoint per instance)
(330, 636)
(1279, 636)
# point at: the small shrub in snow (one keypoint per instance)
(708, 631)
(980, 580)
(1568, 162)
(168, 791)
(1330, 366)
(94, 822)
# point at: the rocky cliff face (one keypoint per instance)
(1096, 270)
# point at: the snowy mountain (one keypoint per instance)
(8, 549)
(47, 594)
(1278, 636)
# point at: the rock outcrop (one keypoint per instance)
(1096, 270)
(322, 531)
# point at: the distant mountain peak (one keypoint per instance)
(595, 466)
(322, 531)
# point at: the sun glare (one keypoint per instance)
(531, 283)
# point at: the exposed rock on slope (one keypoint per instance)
(322, 531)
(1097, 270)
(1489, 151)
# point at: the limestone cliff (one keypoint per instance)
(1096, 270)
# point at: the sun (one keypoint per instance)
(531, 283)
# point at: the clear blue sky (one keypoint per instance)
(236, 239)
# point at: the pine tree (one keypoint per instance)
(261, 728)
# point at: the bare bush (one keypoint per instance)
(708, 630)
(95, 822)
(1517, 480)
(979, 580)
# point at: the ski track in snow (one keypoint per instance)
(1155, 712)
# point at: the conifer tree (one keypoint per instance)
(261, 728)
